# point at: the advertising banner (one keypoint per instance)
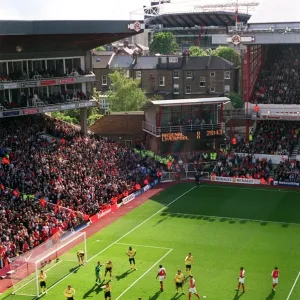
(11, 113)
(98, 216)
(48, 82)
(30, 111)
(51, 108)
(234, 180)
(283, 183)
(68, 106)
(67, 80)
(28, 84)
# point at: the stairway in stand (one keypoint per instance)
(295, 151)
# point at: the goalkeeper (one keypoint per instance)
(80, 256)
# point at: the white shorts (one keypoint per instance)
(192, 290)
(275, 280)
(161, 278)
(241, 280)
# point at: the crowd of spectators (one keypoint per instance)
(270, 137)
(81, 174)
(279, 81)
(288, 171)
(42, 73)
(248, 166)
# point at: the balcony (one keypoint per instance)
(157, 131)
(44, 79)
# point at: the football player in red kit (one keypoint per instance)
(275, 275)
(241, 280)
(161, 275)
(192, 288)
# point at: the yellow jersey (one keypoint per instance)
(42, 277)
(80, 253)
(108, 265)
(69, 293)
(179, 277)
(131, 253)
(107, 289)
(189, 260)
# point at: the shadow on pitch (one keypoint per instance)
(124, 275)
(177, 296)
(160, 221)
(237, 296)
(95, 289)
(154, 297)
(74, 270)
(271, 296)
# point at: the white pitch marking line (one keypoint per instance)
(291, 291)
(155, 264)
(34, 278)
(145, 246)
(136, 227)
(230, 218)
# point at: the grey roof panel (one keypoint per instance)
(146, 63)
(121, 61)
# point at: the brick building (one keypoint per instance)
(172, 77)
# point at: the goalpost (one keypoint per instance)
(53, 257)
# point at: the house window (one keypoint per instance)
(202, 81)
(188, 89)
(138, 74)
(104, 79)
(189, 74)
(176, 89)
(212, 89)
(227, 75)
(161, 80)
(227, 88)
(176, 74)
(212, 74)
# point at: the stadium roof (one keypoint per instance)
(42, 36)
(190, 101)
(217, 18)
(276, 11)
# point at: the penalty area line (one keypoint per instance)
(144, 246)
(145, 273)
(292, 289)
(126, 234)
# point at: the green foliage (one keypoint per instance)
(67, 116)
(93, 118)
(163, 43)
(236, 100)
(125, 93)
(100, 48)
(156, 97)
(227, 53)
(197, 51)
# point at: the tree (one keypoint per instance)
(236, 100)
(125, 93)
(100, 48)
(156, 97)
(227, 53)
(197, 51)
(163, 43)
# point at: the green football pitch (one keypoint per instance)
(224, 227)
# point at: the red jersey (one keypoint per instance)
(275, 273)
(162, 272)
(192, 283)
(242, 274)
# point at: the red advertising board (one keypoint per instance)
(30, 111)
(67, 80)
(48, 82)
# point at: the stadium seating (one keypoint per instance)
(58, 182)
(288, 171)
(279, 80)
(271, 137)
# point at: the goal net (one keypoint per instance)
(57, 257)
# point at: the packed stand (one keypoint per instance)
(288, 171)
(82, 174)
(279, 81)
(233, 165)
(270, 137)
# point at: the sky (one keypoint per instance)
(86, 9)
